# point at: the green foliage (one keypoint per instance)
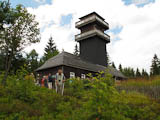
(131, 73)
(128, 72)
(88, 99)
(32, 61)
(18, 29)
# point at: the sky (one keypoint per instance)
(134, 26)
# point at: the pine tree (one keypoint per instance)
(144, 73)
(113, 65)
(76, 50)
(132, 73)
(129, 72)
(138, 74)
(120, 68)
(50, 50)
(50, 47)
(155, 67)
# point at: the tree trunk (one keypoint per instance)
(7, 68)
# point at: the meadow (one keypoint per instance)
(149, 86)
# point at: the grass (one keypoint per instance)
(146, 86)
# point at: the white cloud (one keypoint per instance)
(139, 36)
(140, 2)
(40, 1)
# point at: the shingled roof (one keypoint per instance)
(71, 60)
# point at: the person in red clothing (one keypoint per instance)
(42, 81)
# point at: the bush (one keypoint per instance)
(89, 99)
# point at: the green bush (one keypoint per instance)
(88, 99)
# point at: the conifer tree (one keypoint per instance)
(120, 68)
(155, 67)
(138, 74)
(129, 72)
(144, 73)
(76, 50)
(113, 65)
(50, 50)
(132, 73)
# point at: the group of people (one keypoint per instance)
(53, 81)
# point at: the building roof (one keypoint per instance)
(71, 60)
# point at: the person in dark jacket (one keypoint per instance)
(46, 81)
(50, 81)
(53, 82)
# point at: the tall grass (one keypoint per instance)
(146, 86)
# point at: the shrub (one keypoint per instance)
(90, 99)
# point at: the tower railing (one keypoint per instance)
(92, 33)
(91, 19)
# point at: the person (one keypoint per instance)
(50, 81)
(38, 80)
(46, 81)
(42, 81)
(59, 80)
(33, 77)
(53, 82)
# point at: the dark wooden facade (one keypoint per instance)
(93, 49)
(66, 70)
(78, 72)
(52, 70)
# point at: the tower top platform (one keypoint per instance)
(92, 18)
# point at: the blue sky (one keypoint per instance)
(139, 3)
(30, 3)
(66, 19)
(36, 3)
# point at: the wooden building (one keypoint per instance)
(92, 59)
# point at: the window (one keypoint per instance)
(83, 76)
(72, 75)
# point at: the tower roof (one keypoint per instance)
(90, 14)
